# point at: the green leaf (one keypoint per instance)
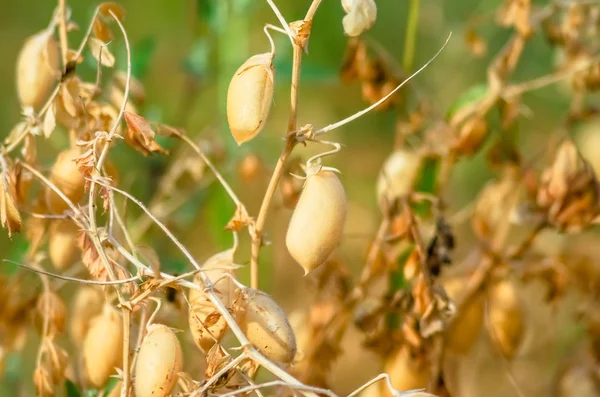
(396, 283)
(473, 94)
(18, 249)
(310, 73)
(111, 385)
(141, 56)
(197, 61)
(426, 183)
(72, 390)
(220, 210)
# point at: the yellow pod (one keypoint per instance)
(406, 372)
(267, 327)
(466, 326)
(249, 97)
(87, 304)
(103, 347)
(37, 69)
(68, 179)
(317, 223)
(206, 324)
(398, 175)
(61, 248)
(159, 361)
(506, 318)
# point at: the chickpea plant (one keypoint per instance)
(420, 316)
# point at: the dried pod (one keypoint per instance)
(103, 347)
(266, 326)
(249, 97)
(406, 371)
(63, 253)
(506, 318)
(398, 175)
(318, 221)
(206, 323)
(87, 304)
(68, 179)
(37, 69)
(51, 307)
(159, 360)
(465, 327)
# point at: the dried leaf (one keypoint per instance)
(49, 122)
(86, 162)
(101, 52)
(167, 130)
(9, 214)
(240, 220)
(15, 134)
(22, 179)
(108, 7)
(102, 31)
(29, 150)
(72, 26)
(212, 319)
(140, 135)
(476, 43)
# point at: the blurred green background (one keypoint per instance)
(185, 52)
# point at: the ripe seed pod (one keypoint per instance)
(50, 305)
(37, 69)
(398, 175)
(206, 323)
(249, 97)
(68, 179)
(266, 326)
(318, 221)
(87, 304)
(465, 328)
(63, 253)
(159, 360)
(506, 318)
(103, 347)
(406, 371)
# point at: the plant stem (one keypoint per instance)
(257, 237)
(126, 332)
(411, 35)
(62, 32)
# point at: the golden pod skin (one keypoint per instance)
(50, 305)
(465, 328)
(398, 175)
(266, 326)
(68, 179)
(206, 324)
(159, 360)
(63, 253)
(406, 372)
(87, 304)
(249, 97)
(506, 317)
(318, 220)
(37, 69)
(103, 347)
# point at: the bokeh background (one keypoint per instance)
(185, 51)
